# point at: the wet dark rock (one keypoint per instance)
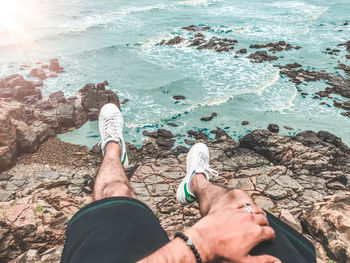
(304, 93)
(174, 41)
(273, 127)
(189, 142)
(162, 42)
(165, 143)
(179, 97)
(261, 56)
(199, 35)
(346, 44)
(275, 46)
(245, 123)
(288, 128)
(198, 135)
(193, 28)
(242, 51)
(218, 44)
(344, 67)
(105, 83)
(124, 101)
(172, 124)
(209, 118)
(162, 133)
(150, 134)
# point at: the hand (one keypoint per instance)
(229, 235)
(234, 199)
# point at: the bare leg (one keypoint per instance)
(206, 192)
(111, 179)
(212, 197)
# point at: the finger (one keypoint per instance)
(260, 219)
(261, 259)
(267, 233)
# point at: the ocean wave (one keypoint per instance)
(312, 11)
(190, 106)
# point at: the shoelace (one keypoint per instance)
(111, 125)
(204, 163)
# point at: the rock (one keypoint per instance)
(261, 56)
(174, 41)
(42, 130)
(165, 134)
(172, 124)
(165, 143)
(92, 114)
(245, 123)
(55, 66)
(59, 96)
(328, 222)
(214, 114)
(150, 134)
(199, 35)
(27, 139)
(189, 142)
(242, 51)
(275, 46)
(8, 141)
(179, 97)
(193, 28)
(273, 127)
(38, 73)
(124, 101)
(288, 128)
(66, 115)
(289, 219)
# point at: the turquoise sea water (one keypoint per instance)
(117, 41)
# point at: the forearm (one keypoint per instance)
(175, 251)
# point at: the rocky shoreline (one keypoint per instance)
(302, 179)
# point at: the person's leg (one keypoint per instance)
(111, 179)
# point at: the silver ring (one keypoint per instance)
(246, 206)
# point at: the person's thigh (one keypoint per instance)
(289, 245)
(117, 229)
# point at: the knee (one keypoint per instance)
(114, 190)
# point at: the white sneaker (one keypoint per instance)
(197, 161)
(110, 124)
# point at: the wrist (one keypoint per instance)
(203, 247)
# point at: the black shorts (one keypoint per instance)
(121, 229)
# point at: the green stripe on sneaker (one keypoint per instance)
(124, 158)
(188, 196)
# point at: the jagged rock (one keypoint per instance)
(174, 41)
(27, 139)
(42, 130)
(38, 73)
(8, 147)
(245, 123)
(214, 114)
(165, 134)
(59, 96)
(55, 66)
(66, 114)
(261, 56)
(193, 28)
(289, 219)
(273, 127)
(328, 222)
(242, 51)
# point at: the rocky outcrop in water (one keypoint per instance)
(27, 119)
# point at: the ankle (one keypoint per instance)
(198, 182)
(113, 149)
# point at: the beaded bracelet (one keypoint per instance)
(190, 244)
